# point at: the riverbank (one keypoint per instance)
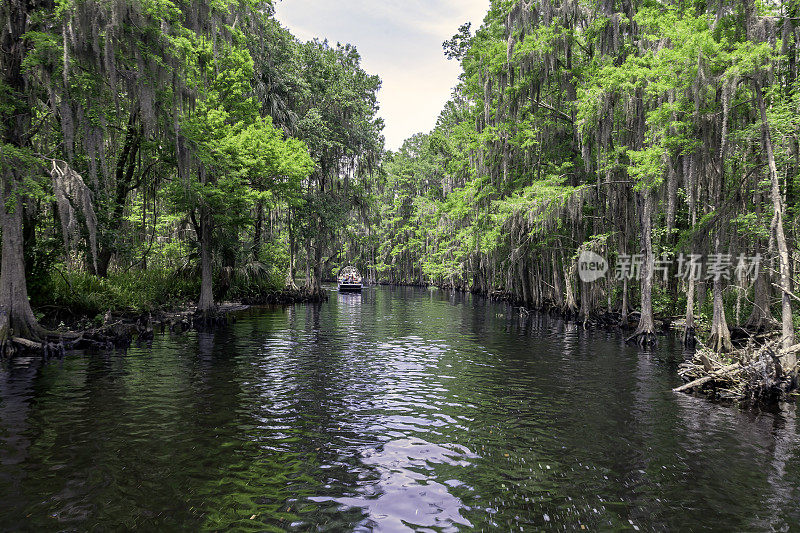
(76, 299)
(72, 329)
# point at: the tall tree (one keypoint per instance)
(18, 110)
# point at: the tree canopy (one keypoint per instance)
(201, 141)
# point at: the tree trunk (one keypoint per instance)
(787, 328)
(720, 339)
(524, 281)
(689, 327)
(13, 288)
(554, 289)
(689, 339)
(700, 293)
(587, 302)
(16, 315)
(761, 319)
(290, 271)
(259, 228)
(124, 177)
(206, 302)
(29, 223)
(645, 332)
(308, 283)
(103, 261)
(316, 271)
(623, 321)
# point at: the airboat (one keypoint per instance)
(349, 279)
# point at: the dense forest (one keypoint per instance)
(156, 152)
(663, 133)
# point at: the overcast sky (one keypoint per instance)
(401, 41)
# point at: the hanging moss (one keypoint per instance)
(73, 196)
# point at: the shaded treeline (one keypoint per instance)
(638, 130)
(159, 150)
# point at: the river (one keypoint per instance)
(397, 409)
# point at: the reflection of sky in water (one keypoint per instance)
(405, 493)
(393, 409)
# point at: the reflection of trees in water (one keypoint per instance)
(52, 407)
(245, 471)
(430, 407)
(79, 428)
(736, 463)
(778, 506)
(329, 396)
(522, 409)
(398, 395)
(16, 395)
(290, 437)
(466, 406)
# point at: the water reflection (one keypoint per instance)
(391, 409)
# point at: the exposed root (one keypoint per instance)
(208, 320)
(643, 339)
(118, 331)
(570, 311)
(720, 341)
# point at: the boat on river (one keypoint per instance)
(349, 279)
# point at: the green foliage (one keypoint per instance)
(564, 114)
(40, 262)
(180, 115)
(175, 116)
(134, 291)
(457, 46)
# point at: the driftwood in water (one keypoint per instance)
(722, 372)
(755, 373)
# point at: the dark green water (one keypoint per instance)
(396, 409)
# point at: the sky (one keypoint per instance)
(400, 41)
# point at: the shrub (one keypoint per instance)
(136, 291)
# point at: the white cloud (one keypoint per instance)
(400, 42)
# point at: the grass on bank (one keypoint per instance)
(79, 294)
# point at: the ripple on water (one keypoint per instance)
(396, 409)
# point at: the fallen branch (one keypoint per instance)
(786, 291)
(712, 376)
(757, 373)
(25, 343)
